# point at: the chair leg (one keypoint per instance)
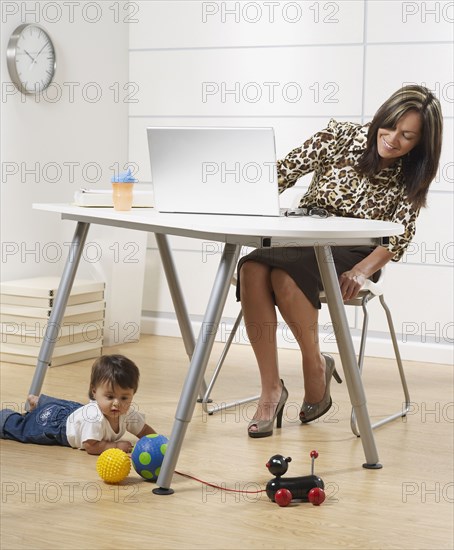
(403, 380)
(206, 397)
(362, 349)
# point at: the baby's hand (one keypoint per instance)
(125, 446)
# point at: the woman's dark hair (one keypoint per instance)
(420, 166)
(116, 370)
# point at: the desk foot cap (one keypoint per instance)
(376, 466)
(162, 491)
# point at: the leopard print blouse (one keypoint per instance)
(336, 186)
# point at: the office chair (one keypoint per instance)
(370, 290)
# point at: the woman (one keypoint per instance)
(378, 171)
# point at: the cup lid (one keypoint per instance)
(124, 177)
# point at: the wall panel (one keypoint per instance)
(312, 81)
(182, 24)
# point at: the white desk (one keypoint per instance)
(234, 231)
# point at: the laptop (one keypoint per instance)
(210, 170)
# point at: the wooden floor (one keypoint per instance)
(53, 498)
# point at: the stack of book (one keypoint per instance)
(25, 308)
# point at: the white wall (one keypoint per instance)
(345, 58)
(58, 142)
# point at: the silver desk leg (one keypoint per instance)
(347, 353)
(58, 309)
(198, 365)
(177, 298)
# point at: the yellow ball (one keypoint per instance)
(113, 465)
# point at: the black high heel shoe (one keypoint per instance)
(311, 411)
(265, 427)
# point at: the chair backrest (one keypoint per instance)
(377, 288)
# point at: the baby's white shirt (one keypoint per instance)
(88, 422)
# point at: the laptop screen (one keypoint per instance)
(211, 170)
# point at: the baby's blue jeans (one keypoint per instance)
(45, 425)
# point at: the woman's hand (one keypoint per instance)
(350, 283)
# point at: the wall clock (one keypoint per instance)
(31, 59)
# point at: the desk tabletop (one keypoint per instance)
(255, 231)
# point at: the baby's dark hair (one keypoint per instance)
(116, 370)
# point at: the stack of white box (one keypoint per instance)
(25, 307)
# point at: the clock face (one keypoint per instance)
(31, 59)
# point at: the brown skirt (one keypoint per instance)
(301, 264)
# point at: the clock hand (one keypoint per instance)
(29, 56)
(38, 54)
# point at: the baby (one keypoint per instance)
(95, 427)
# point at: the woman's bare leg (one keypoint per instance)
(258, 284)
(302, 319)
(260, 319)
